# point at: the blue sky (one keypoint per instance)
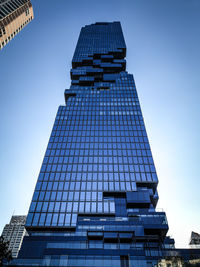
(163, 41)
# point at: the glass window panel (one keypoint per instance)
(53, 195)
(45, 206)
(61, 219)
(75, 206)
(51, 206)
(76, 196)
(55, 185)
(94, 196)
(64, 196)
(48, 219)
(63, 206)
(47, 196)
(59, 196)
(35, 195)
(32, 207)
(81, 207)
(106, 207)
(74, 219)
(67, 219)
(122, 184)
(42, 219)
(78, 185)
(55, 219)
(99, 207)
(100, 186)
(94, 186)
(35, 219)
(93, 206)
(112, 207)
(88, 196)
(49, 186)
(69, 206)
(89, 186)
(71, 195)
(39, 206)
(100, 196)
(61, 185)
(105, 186)
(87, 207)
(82, 197)
(57, 207)
(29, 219)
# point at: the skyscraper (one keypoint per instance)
(95, 198)
(14, 16)
(14, 233)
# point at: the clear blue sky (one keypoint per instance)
(163, 41)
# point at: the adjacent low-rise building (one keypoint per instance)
(14, 16)
(195, 240)
(14, 233)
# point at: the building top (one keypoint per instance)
(96, 40)
(18, 219)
